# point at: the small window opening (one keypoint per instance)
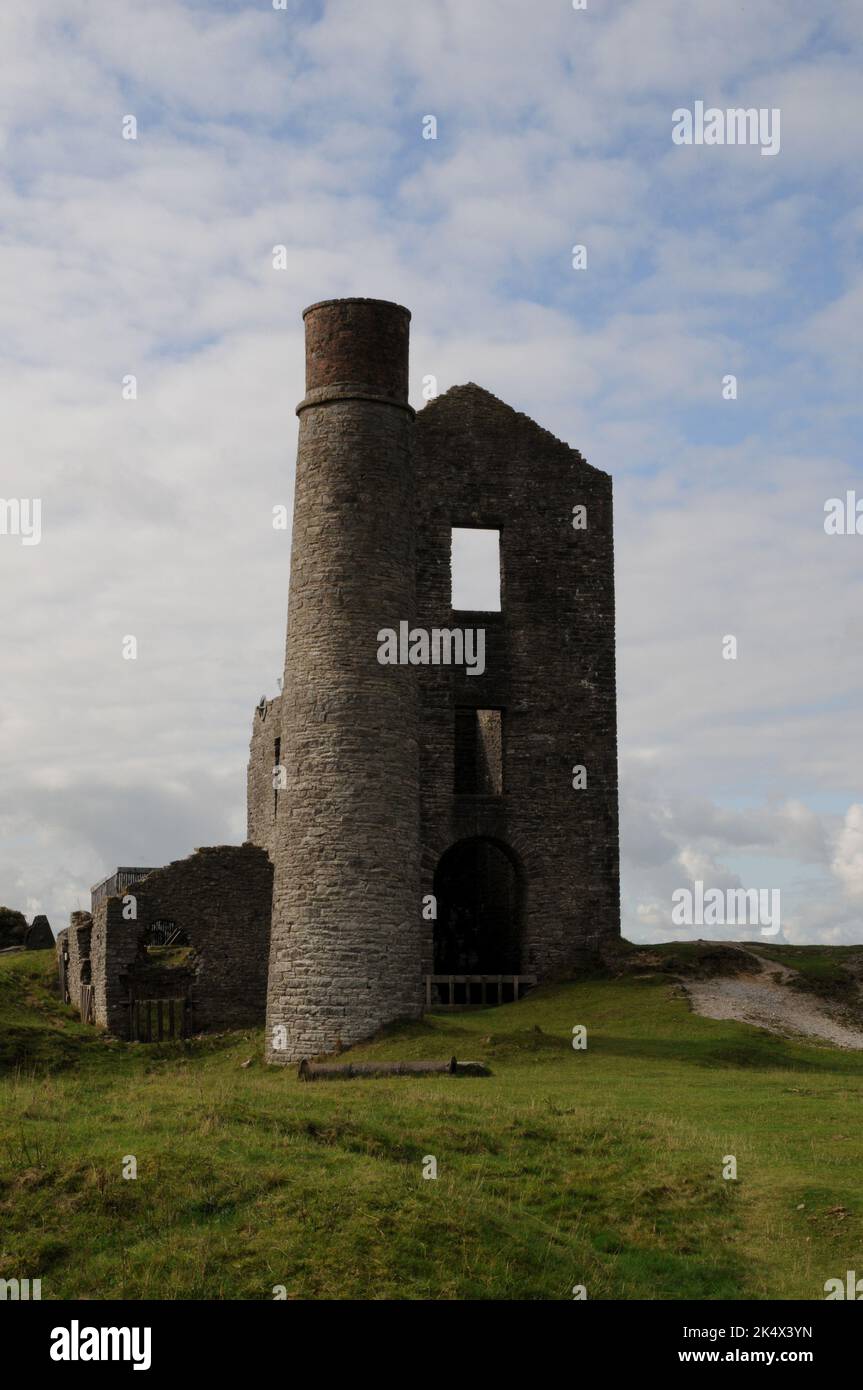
(167, 945)
(475, 569)
(277, 758)
(479, 752)
(165, 933)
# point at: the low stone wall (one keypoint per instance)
(116, 945)
(221, 899)
(61, 947)
(78, 941)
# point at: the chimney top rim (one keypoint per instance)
(356, 299)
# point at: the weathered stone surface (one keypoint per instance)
(262, 797)
(371, 803)
(39, 935)
(62, 948)
(220, 899)
(345, 947)
(357, 342)
(77, 941)
(549, 666)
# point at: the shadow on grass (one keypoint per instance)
(764, 1052)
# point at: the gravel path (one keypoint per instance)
(766, 1000)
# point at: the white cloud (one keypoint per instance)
(154, 257)
(848, 862)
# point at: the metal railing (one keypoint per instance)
(500, 987)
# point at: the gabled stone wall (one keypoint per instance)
(550, 667)
(39, 935)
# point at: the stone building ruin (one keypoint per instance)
(192, 959)
(17, 934)
(431, 824)
(432, 818)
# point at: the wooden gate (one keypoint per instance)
(160, 1020)
(88, 1011)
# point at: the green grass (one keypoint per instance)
(171, 957)
(823, 969)
(601, 1167)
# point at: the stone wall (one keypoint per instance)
(62, 948)
(78, 939)
(39, 935)
(115, 946)
(372, 803)
(221, 898)
(345, 953)
(262, 799)
(549, 667)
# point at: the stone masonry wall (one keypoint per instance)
(39, 935)
(371, 803)
(115, 946)
(221, 897)
(262, 800)
(345, 953)
(61, 948)
(550, 666)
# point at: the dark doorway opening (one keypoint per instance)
(478, 890)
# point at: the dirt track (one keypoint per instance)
(766, 1000)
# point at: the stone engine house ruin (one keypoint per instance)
(427, 822)
(432, 798)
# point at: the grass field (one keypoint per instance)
(600, 1167)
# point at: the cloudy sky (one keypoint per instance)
(303, 127)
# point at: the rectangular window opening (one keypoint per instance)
(479, 752)
(276, 765)
(475, 561)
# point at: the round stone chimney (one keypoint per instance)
(346, 933)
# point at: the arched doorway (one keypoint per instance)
(478, 887)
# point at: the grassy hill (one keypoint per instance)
(601, 1167)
